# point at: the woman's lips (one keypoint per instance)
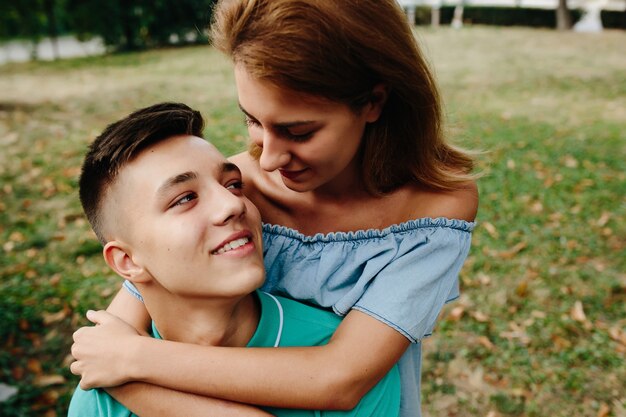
(292, 175)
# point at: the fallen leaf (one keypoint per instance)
(536, 207)
(491, 229)
(603, 411)
(517, 332)
(549, 182)
(484, 278)
(522, 288)
(17, 373)
(618, 335)
(578, 313)
(34, 366)
(106, 292)
(17, 237)
(538, 314)
(49, 318)
(510, 253)
(456, 313)
(560, 342)
(46, 380)
(570, 162)
(479, 316)
(604, 219)
(486, 343)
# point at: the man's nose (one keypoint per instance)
(231, 207)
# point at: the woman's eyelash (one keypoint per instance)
(250, 122)
(283, 131)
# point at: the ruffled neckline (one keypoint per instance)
(426, 222)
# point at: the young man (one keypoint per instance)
(169, 210)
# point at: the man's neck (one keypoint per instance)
(215, 322)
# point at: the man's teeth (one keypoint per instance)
(232, 245)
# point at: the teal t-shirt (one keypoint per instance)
(283, 322)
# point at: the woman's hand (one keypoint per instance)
(101, 351)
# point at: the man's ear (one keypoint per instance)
(119, 257)
(374, 108)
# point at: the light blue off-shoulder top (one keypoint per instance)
(401, 275)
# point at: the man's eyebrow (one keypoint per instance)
(284, 125)
(175, 180)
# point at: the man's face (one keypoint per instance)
(183, 215)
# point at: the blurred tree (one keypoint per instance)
(139, 24)
(32, 19)
(49, 8)
(563, 16)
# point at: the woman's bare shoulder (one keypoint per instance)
(461, 203)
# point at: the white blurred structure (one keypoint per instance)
(590, 21)
(66, 47)
(616, 5)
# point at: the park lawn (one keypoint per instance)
(541, 326)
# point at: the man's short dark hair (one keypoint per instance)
(121, 142)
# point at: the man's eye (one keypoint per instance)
(185, 199)
(235, 185)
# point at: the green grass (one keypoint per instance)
(541, 326)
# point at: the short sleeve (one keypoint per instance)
(409, 292)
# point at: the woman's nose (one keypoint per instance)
(274, 153)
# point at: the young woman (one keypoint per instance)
(367, 210)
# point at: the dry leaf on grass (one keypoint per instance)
(603, 411)
(45, 380)
(578, 313)
(491, 229)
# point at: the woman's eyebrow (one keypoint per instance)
(175, 180)
(283, 125)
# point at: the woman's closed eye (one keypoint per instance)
(296, 136)
(296, 133)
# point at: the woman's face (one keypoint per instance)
(312, 142)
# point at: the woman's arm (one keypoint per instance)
(153, 401)
(128, 308)
(333, 376)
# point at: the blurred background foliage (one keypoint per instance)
(122, 24)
